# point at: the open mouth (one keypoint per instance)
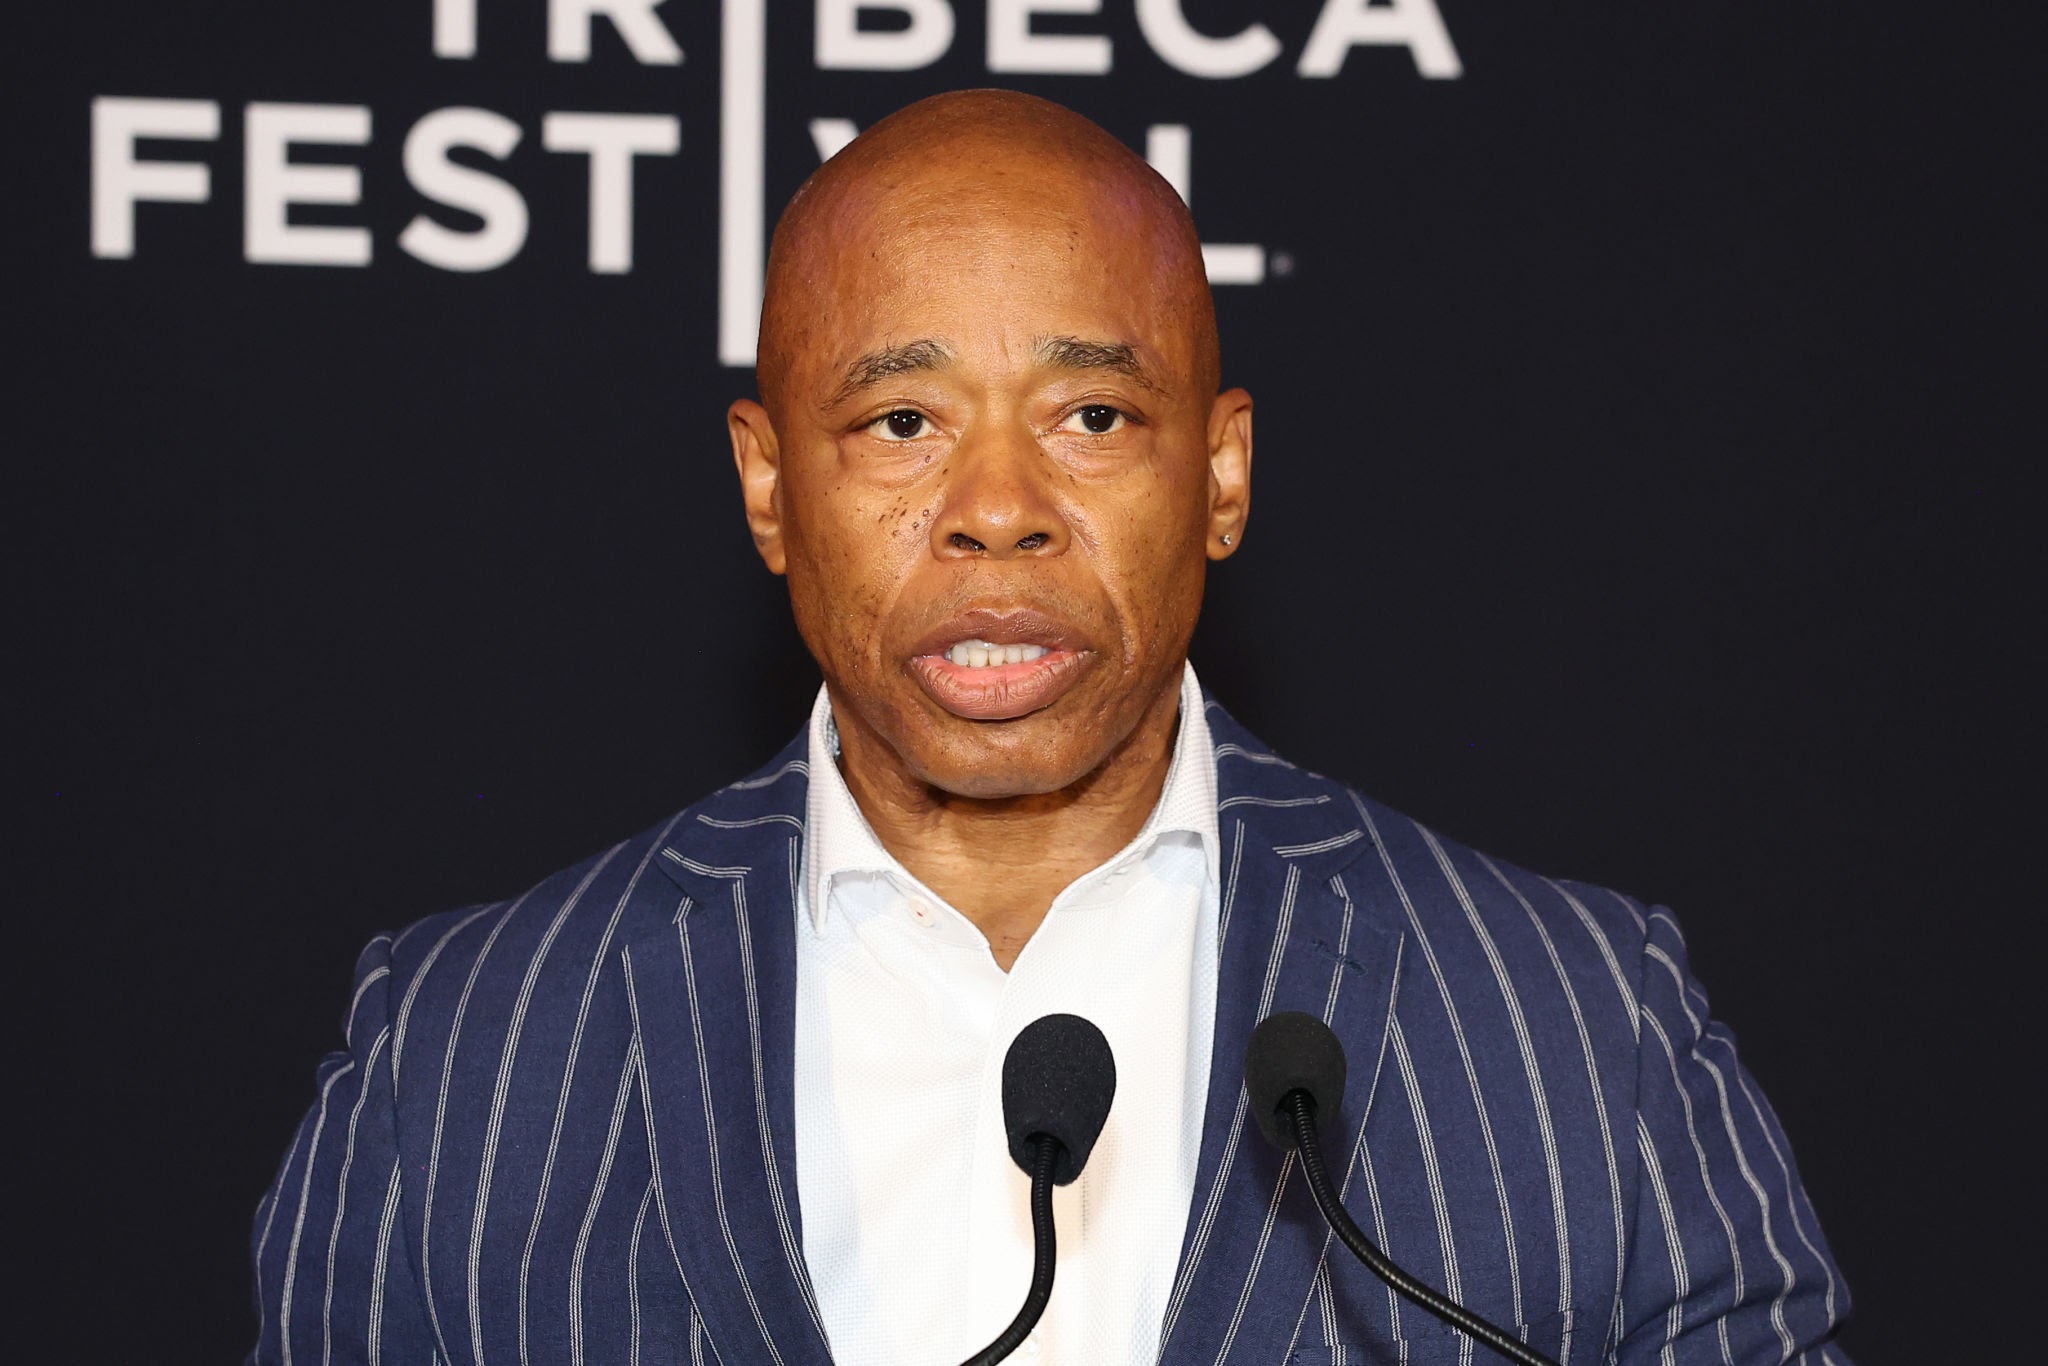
(1012, 665)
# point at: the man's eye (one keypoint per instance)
(1097, 419)
(902, 425)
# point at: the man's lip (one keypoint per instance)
(1001, 626)
(1007, 691)
(999, 692)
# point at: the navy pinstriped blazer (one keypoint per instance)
(562, 1128)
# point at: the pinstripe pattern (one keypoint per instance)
(434, 1148)
(1432, 1167)
(1532, 1071)
(1674, 1247)
(785, 1224)
(598, 1167)
(1219, 1172)
(291, 1269)
(711, 1149)
(266, 1216)
(1788, 1278)
(629, 1076)
(1594, 1091)
(597, 963)
(374, 1339)
(1360, 1165)
(1379, 1233)
(633, 1288)
(341, 1203)
(1479, 1108)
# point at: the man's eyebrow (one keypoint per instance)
(1077, 353)
(877, 366)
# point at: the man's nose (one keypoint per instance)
(998, 499)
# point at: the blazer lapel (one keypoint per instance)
(712, 988)
(1296, 934)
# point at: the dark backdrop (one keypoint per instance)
(1648, 397)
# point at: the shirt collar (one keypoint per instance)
(838, 839)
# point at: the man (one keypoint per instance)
(729, 1092)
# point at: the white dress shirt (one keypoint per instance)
(916, 1222)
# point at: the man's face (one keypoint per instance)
(993, 474)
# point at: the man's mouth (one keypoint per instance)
(1011, 665)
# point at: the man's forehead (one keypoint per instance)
(884, 232)
(909, 253)
(930, 292)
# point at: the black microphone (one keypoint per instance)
(1294, 1071)
(1058, 1079)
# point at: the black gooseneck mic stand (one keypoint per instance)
(1058, 1080)
(1044, 1252)
(1293, 1068)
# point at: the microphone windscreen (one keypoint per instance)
(1291, 1051)
(1058, 1080)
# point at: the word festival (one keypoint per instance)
(891, 36)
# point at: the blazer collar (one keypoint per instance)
(712, 989)
(712, 979)
(1301, 929)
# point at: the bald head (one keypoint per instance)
(977, 168)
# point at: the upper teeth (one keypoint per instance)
(979, 654)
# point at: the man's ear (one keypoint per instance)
(1230, 471)
(758, 457)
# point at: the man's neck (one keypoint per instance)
(1001, 862)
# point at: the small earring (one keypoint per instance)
(1226, 538)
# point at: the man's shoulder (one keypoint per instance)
(1452, 883)
(543, 950)
(1421, 882)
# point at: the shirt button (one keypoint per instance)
(922, 914)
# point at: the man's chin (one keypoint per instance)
(1060, 748)
(999, 778)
